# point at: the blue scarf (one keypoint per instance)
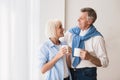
(78, 41)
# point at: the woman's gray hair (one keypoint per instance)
(50, 30)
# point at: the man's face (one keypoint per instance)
(83, 21)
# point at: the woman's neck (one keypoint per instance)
(55, 41)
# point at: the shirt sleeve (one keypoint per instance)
(100, 51)
(42, 55)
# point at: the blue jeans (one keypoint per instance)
(84, 74)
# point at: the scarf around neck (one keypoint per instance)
(78, 41)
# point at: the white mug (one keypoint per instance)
(66, 46)
(77, 52)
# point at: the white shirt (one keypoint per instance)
(65, 67)
(95, 46)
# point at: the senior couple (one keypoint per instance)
(59, 63)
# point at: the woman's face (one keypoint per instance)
(59, 30)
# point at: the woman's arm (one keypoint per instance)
(51, 63)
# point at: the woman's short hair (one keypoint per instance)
(50, 30)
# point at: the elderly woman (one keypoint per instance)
(54, 59)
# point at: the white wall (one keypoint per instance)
(108, 24)
(51, 9)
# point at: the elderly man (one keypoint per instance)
(91, 44)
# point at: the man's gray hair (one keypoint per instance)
(50, 30)
(91, 13)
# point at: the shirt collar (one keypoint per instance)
(51, 44)
(83, 33)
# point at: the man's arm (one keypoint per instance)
(86, 56)
(101, 58)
